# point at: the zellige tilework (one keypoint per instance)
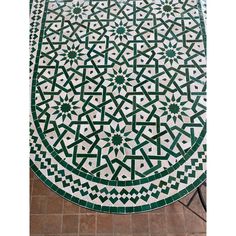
(118, 101)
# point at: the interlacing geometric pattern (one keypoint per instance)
(118, 100)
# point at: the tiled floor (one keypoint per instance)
(118, 102)
(53, 216)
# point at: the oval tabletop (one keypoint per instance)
(118, 101)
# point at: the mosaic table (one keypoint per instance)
(118, 101)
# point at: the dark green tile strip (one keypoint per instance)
(118, 210)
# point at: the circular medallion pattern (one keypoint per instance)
(118, 101)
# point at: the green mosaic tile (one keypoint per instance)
(118, 100)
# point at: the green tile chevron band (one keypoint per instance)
(118, 100)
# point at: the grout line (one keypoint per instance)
(113, 233)
(185, 227)
(31, 190)
(149, 228)
(165, 218)
(96, 216)
(62, 215)
(96, 224)
(73, 214)
(79, 217)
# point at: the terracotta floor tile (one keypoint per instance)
(70, 208)
(51, 193)
(54, 204)
(87, 224)
(157, 234)
(94, 234)
(186, 198)
(157, 223)
(175, 223)
(194, 224)
(140, 223)
(102, 234)
(200, 234)
(83, 210)
(31, 186)
(168, 221)
(39, 188)
(53, 224)
(177, 234)
(104, 223)
(122, 224)
(122, 234)
(69, 234)
(38, 205)
(204, 191)
(196, 206)
(31, 173)
(142, 234)
(36, 224)
(52, 235)
(70, 224)
(174, 208)
(158, 211)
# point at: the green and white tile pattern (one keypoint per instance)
(118, 101)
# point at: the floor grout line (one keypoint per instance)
(149, 229)
(62, 216)
(95, 214)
